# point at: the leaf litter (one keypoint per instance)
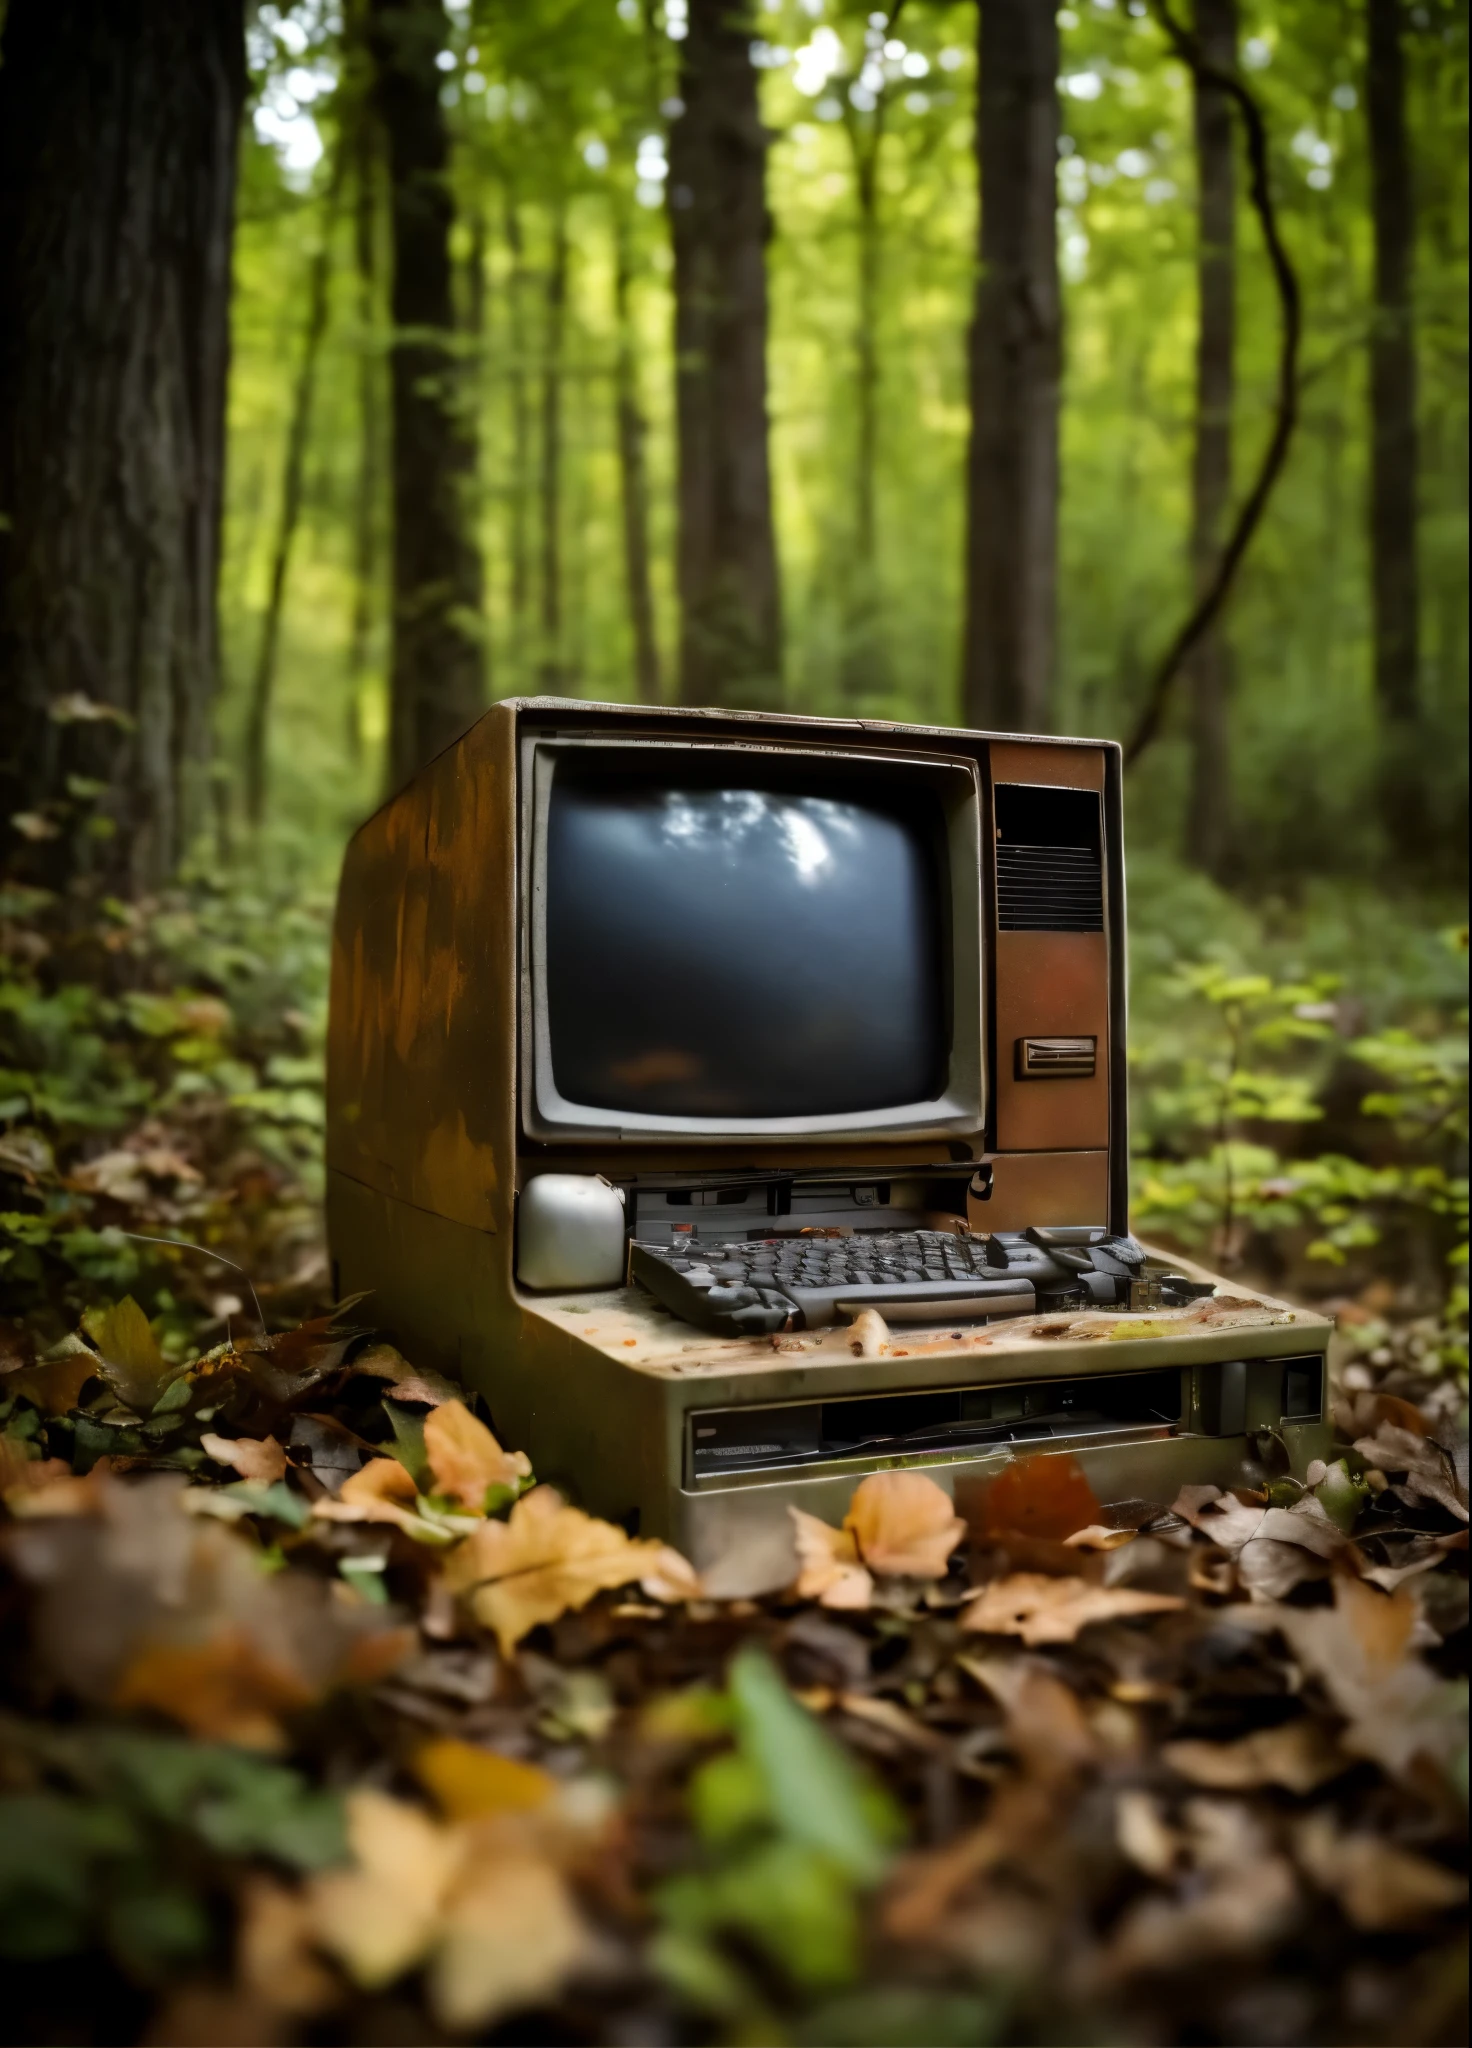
(324, 1720)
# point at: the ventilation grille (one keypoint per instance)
(1050, 871)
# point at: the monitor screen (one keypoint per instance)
(764, 941)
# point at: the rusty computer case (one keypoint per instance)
(618, 991)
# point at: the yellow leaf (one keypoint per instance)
(508, 1937)
(381, 1916)
(467, 1782)
(465, 1458)
(829, 1559)
(260, 1459)
(55, 1383)
(131, 1361)
(904, 1525)
(1047, 1610)
(546, 1560)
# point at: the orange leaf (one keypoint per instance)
(260, 1459)
(382, 1492)
(1040, 1495)
(1047, 1610)
(55, 1384)
(465, 1458)
(225, 1689)
(467, 1782)
(830, 1572)
(904, 1525)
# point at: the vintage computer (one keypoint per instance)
(665, 1043)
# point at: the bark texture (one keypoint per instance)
(865, 669)
(1208, 823)
(633, 430)
(1393, 444)
(550, 507)
(119, 123)
(1015, 354)
(730, 646)
(436, 666)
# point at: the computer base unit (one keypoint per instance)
(708, 1440)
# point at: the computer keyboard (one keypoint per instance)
(756, 1287)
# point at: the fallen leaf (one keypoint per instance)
(904, 1525)
(1041, 1609)
(548, 1559)
(1228, 1521)
(894, 1720)
(224, 1690)
(380, 1917)
(1043, 1494)
(261, 1459)
(1380, 1885)
(1143, 1836)
(274, 1951)
(1300, 1756)
(1248, 1908)
(508, 1937)
(1046, 1723)
(55, 1381)
(383, 1491)
(467, 1462)
(1099, 1536)
(1428, 1471)
(128, 1355)
(830, 1572)
(467, 1782)
(410, 1382)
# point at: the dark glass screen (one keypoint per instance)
(734, 949)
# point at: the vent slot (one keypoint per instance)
(1050, 870)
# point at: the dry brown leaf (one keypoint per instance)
(509, 1936)
(1249, 1907)
(260, 1459)
(1380, 1885)
(1300, 1755)
(379, 1917)
(1046, 1723)
(894, 1720)
(1143, 1835)
(1041, 1609)
(1228, 1521)
(274, 1959)
(224, 1690)
(465, 1458)
(830, 1572)
(904, 1525)
(924, 1887)
(410, 1382)
(467, 1782)
(1044, 1494)
(1428, 1471)
(548, 1559)
(55, 1382)
(383, 1491)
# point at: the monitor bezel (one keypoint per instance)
(959, 1110)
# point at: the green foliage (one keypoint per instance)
(794, 1832)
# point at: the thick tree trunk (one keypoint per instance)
(263, 683)
(1208, 824)
(550, 508)
(436, 672)
(1393, 452)
(633, 480)
(730, 647)
(118, 133)
(1012, 476)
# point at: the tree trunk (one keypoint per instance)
(258, 719)
(1393, 450)
(551, 496)
(1208, 824)
(864, 672)
(366, 510)
(119, 125)
(521, 441)
(633, 479)
(730, 647)
(1012, 475)
(436, 669)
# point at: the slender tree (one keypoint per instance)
(864, 671)
(519, 393)
(550, 508)
(263, 681)
(119, 124)
(1208, 825)
(436, 670)
(730, 647)
(1393, 441)
(632, 430)
(364, 142)
(1012, 474)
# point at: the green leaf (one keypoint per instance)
(408, 1444)
(815, 1789)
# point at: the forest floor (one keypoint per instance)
(321, 1721)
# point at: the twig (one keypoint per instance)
(183, 1245)
(1286, 414)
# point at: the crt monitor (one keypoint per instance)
(751, 941)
